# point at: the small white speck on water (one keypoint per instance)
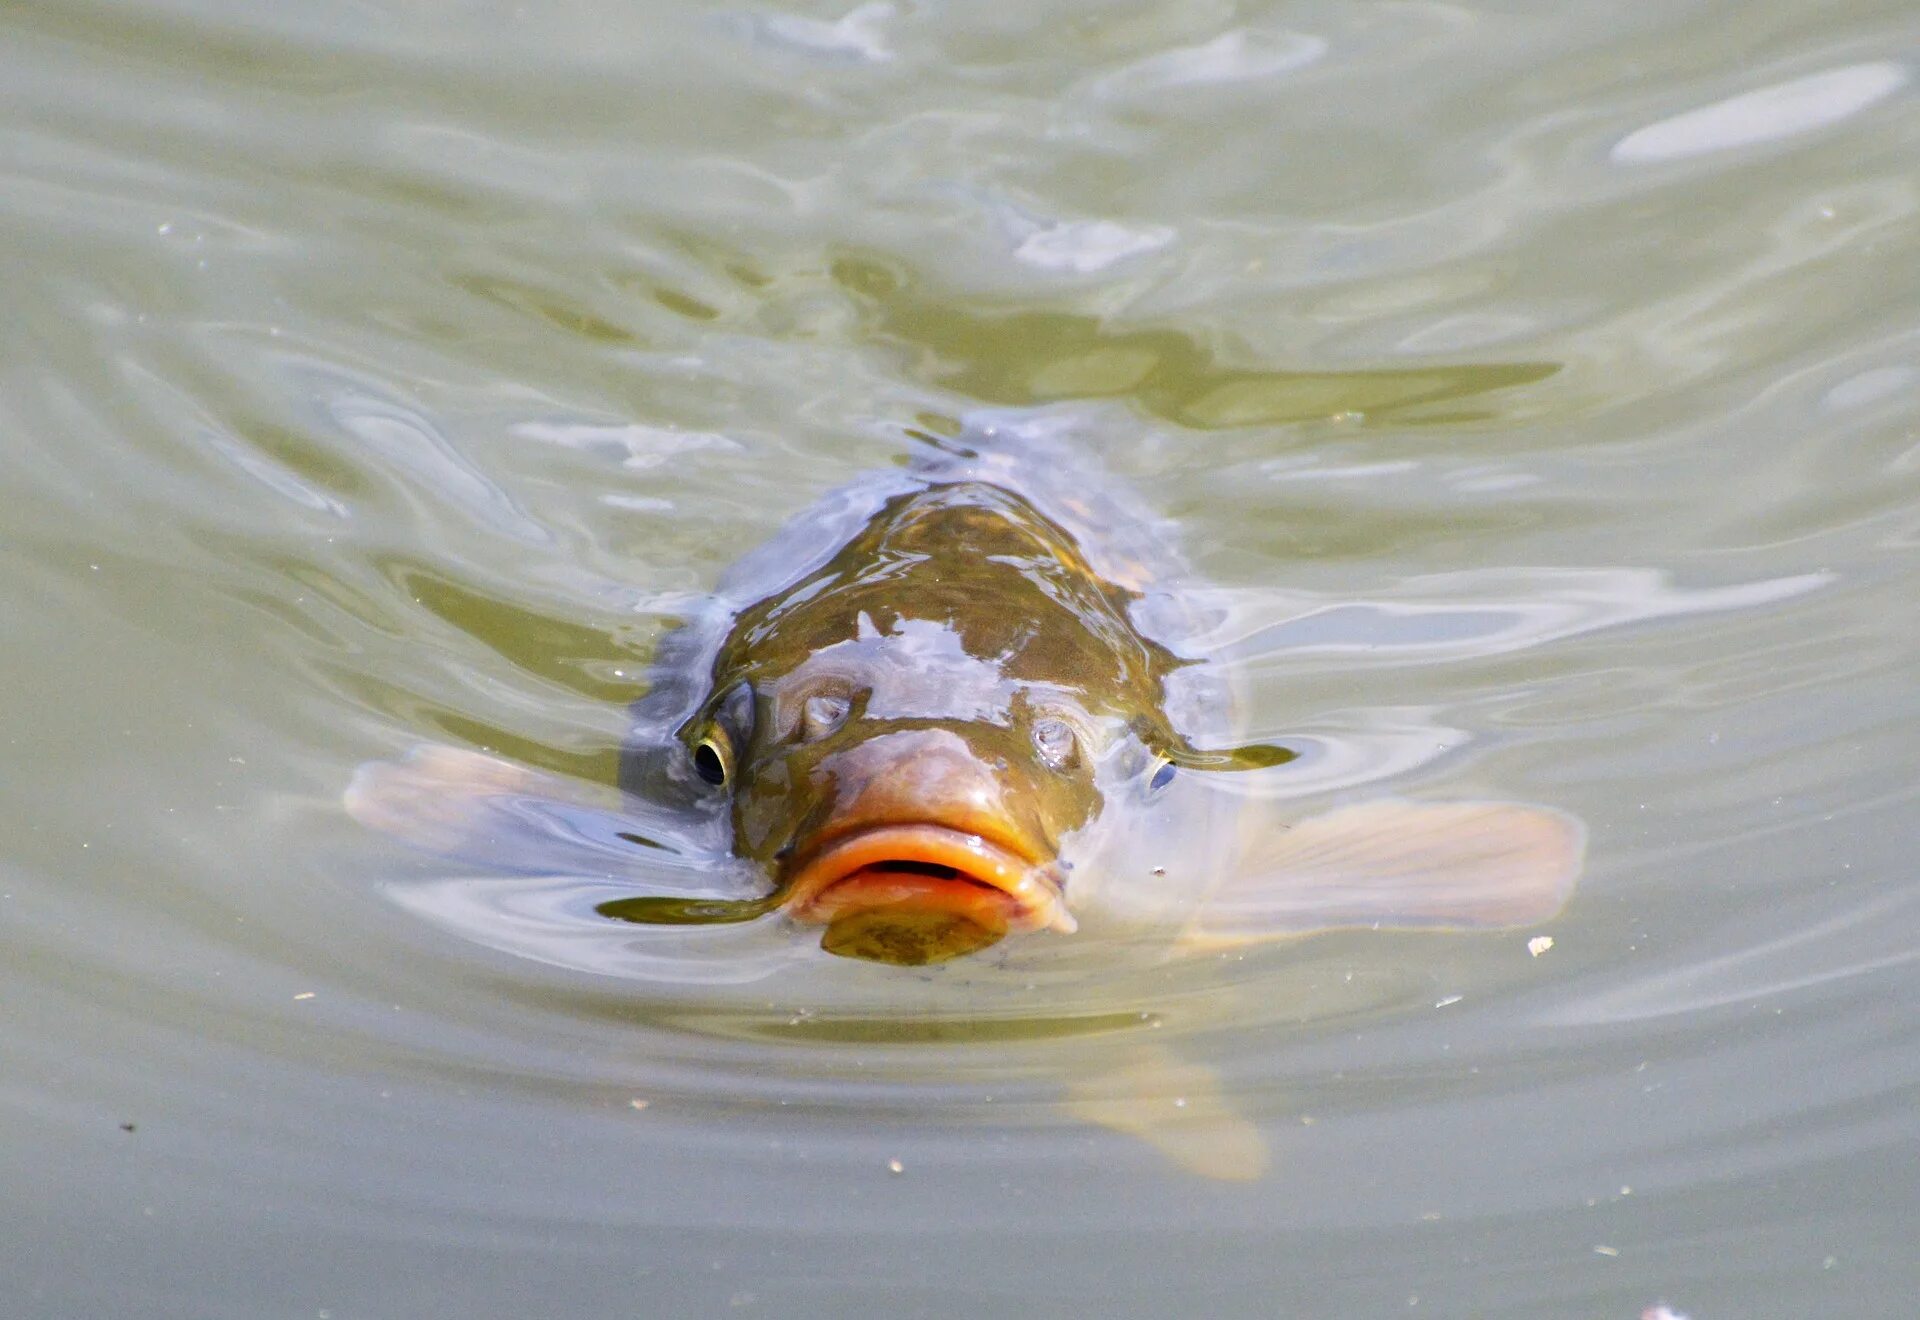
(1450, 999)
(895, 1166)
(1539, 944)
(1606, 1251)
(638, 1103)
(304, 994)
(1179, 1102)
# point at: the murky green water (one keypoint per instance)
(1539, 389)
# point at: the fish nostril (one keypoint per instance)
(1056, 743)
(822, 713)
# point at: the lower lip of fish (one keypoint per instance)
(930, 867)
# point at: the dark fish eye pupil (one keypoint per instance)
(1161, 777)
(706, 761)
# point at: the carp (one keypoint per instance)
(957, 703)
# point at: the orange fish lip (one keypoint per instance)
(887, 865)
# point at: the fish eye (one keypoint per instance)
(1161, 777)
(712, 759)
(1055, 741)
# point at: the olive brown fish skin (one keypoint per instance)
(954, 678)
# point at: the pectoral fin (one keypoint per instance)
(472, 807)
(1175, 1107)
(1464, 865)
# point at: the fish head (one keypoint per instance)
(905, 737)
(908, 796)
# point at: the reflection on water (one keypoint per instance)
(1798, 105)
(1859, 941)
(1533, 394)
(1476, 613)
(1029, 357)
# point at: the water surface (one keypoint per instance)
(1535, 389)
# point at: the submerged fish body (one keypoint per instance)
(951, 703)
(954, 703)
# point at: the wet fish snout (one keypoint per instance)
(911, 775)
(917, 827)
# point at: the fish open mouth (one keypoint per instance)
(932, 869)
